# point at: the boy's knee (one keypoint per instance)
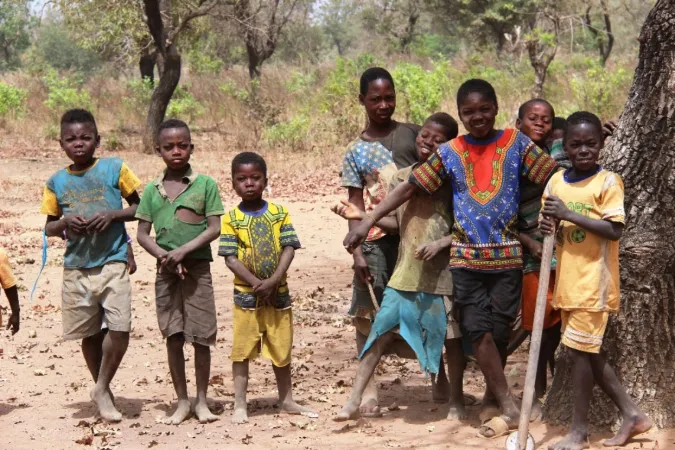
(175, 341)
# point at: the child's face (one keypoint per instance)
(583, 144)
(556, 134)
(478, 114)
(249, 182)
(175, 147)
(536, 123)
(431, 136)
(379, 101)
(79, 141)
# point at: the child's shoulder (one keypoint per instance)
(610, 179)
(276, 208)
(360, 145)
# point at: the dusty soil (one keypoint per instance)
(44, 383)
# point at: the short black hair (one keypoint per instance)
(172, 123)
(476, 85)
(245, 158)
(580, 117)
(534, 101)
(372, 74)
(446, 121)
(559, 123)
(78, 115)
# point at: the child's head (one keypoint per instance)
(377, 95)
(174, 143)
(477, 107)
(558, 129)
(438, 129)
(583, 140)
(79, 136)
(249, 175)
(535, 120)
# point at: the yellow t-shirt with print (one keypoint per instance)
(587, 275)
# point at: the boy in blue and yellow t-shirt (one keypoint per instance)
(85, 199)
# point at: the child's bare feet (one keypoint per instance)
(369, 407)
(182, 412)
(457, 410)
(240, 414)
(290, 407)
(535, 412)
(573, 441)
(203, 413)
(106, 408)
(348, 412)
(440, 388)
(631, 427)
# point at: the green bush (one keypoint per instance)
(64, 93)
(12, 101)
(56, 48)
(290, 133)
(139, 93)
(201, 62)
(184, 106)
(594, 90)
(419, 91)
(300, 81)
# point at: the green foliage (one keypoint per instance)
(113, 143)
(300, 81)
(434, 45)
(202, 56)
(139, 93)
(291, 133)
(12, 102)
(594, 90)
(64, 93)
(56, 48)
(15, 26)
(184, 106)
(419, 91)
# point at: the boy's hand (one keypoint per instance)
(428, 251)
(14, 323)
(361, 268)
(131, 265)
(100, 222)
(348, 211)
(555, 208)
(266, 290)
(535, 247)
(356, 236)
(174, 257)
(547, 226)
(78, 224)
(608, 128)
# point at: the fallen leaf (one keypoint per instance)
(247, 440)
(135, 425)
(153, 443)
(431, 428)
(86, 440)
(33, 334)
(39, 373)
(83, 424)
(301, 425)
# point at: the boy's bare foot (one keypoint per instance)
(573, 441)
(106, 408)
(489, 408)
(457, 410)
(182, 412)
(629, 428)
(440, 389)
(370, 408)
(535, 412)
(348, 412)
(240, 414)
(203, 413)
(290, 407)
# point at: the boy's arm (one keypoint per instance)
(555, 208)
(360, 263)
(241, 271)
(147, 242)
(15, 318)
(102, 220)
(267, 288)
(350, 211)
(534, 246)
(174, 257)
(429, 250)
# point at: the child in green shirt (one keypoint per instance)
(185, 209)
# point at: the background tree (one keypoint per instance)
(15, 25)
(640, 340)
(542, 44)
(604, 37)
(339, 22)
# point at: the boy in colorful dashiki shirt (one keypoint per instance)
(85, 199)
(587, 201)
(484, 169)
(258, 242)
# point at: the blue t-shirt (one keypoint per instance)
(85, 193)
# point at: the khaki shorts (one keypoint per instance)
(584, 330)
(264, 330)
(96, 298)
(187, 306)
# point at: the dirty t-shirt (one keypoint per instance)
(424, 218)
(200, 196)
(85, 193)
(401, 144)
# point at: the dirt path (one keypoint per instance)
(44, 383)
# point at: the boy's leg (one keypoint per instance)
(285, 388)
(549, 344)
(115, 345)
(455, 356)
(440, 386)
(176, 357)
(634, 421)
(582, 380)
(92, 349)
(364, 375)
(240, 375)
(370, 399)
(202, 374)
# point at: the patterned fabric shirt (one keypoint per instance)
(368, 166)
(200, 196)
(530, 205)
(485, 178)
(97, 189)
(588, 265)
(7, 278)
(257, 240)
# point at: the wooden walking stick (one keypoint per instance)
(522, 439)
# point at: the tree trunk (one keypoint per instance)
(161, 97)
(640, 340)
(539, 80)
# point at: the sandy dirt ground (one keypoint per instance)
(44, 384)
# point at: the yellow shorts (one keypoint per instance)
(584, 330)
(265, 330)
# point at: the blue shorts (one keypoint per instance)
(421, 320)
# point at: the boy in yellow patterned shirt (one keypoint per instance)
(8, 284)
(587, 201)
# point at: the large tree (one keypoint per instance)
(640, 340)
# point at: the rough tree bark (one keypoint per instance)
(640, 340)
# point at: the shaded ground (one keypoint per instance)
(44, 384)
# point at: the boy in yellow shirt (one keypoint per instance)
(8, 284)
(587, 201)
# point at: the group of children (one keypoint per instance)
(83, 203)
(457, 237)
(446, 234)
